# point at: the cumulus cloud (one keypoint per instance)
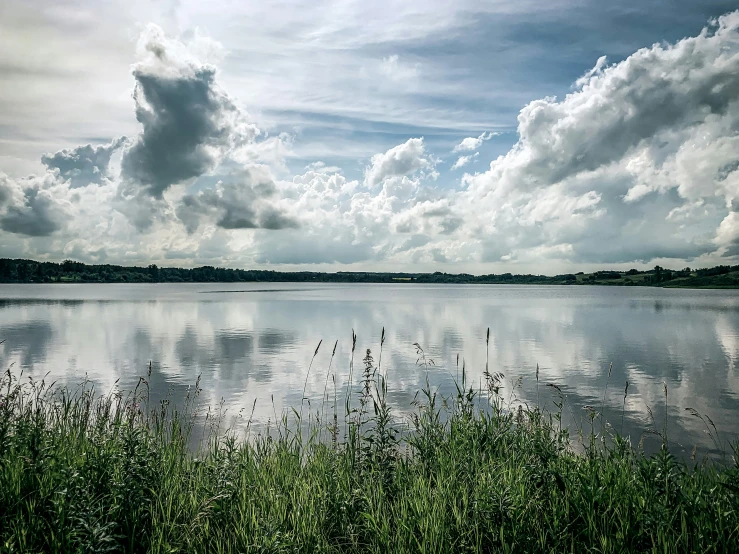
(638, 163)
(241, 201)
(83, 165)
(656, 95)
(596, 70)
(190, 126)
(347, 221)
(340, 222)
(29, 206)
(470, 144)
(400, 160)
(189, 123)
(664, 121)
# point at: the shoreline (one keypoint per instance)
(20, 271)
(402, 283)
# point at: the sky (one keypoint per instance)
(456, 136)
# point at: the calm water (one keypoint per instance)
(255, 341)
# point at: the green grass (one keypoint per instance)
(83, 472)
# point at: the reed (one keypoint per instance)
(82, 471)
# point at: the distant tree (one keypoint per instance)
(607, 275)
(7, 270)
(22, 270)
(17, 270)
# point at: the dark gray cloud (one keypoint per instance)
(36, 218)
(273, 219)
(188, 122)
(6, 193)
(28, 208)
(242, 201)
(83, 165)
(189, 127)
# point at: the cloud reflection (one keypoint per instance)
(249, 347)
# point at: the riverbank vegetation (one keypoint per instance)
(29, 271)
(84, 472)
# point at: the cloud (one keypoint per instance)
(470, 144)
(652, 95)
(464, 160)
(637, 163)
(83, 165)
(636, 141)
(596, 70)
(29, 207)
(241, 201)
(400, 160)
(345, 221)
(321, 167)
(189, 123)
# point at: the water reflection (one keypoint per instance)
(259, 346)
(29, 340)
(272, 341)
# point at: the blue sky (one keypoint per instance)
(329, 131)
(476, 77)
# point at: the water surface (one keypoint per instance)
(255, 341)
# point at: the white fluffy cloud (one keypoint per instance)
(602, 174)
(398, 161)
(640, 162)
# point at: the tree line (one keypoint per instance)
(30, 271)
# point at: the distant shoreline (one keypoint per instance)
(409, 283)
(20, 271)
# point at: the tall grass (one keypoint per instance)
(88, 472)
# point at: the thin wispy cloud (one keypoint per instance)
(464, 160)
(470, 144)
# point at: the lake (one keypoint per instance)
(255, 341)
